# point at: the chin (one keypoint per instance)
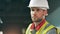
(37, 20)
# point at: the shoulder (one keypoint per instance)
(29, 25)
(52, 31)
(28, 28)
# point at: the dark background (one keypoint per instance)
(14, 14)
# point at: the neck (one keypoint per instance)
(36, 23)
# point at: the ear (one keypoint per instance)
(45, 13)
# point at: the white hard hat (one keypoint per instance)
(39, 3)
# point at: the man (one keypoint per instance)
(38, 12)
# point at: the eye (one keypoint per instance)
(32, 9)
(37, 9)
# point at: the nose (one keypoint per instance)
(34, 14)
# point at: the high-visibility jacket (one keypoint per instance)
(43, 30)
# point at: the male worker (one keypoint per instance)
(38, 12)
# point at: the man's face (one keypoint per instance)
(37, 14)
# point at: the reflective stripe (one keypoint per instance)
(40, 31)
(49, 28)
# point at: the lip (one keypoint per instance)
(33, 17)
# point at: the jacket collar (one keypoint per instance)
(38, 26)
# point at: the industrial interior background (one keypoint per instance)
(15, 15)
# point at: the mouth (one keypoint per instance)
(36, 19)
(34, 16)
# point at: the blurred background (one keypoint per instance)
(15, 15)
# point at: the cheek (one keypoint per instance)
(40, 14)
(31, 13)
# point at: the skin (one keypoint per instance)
(37, 14)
